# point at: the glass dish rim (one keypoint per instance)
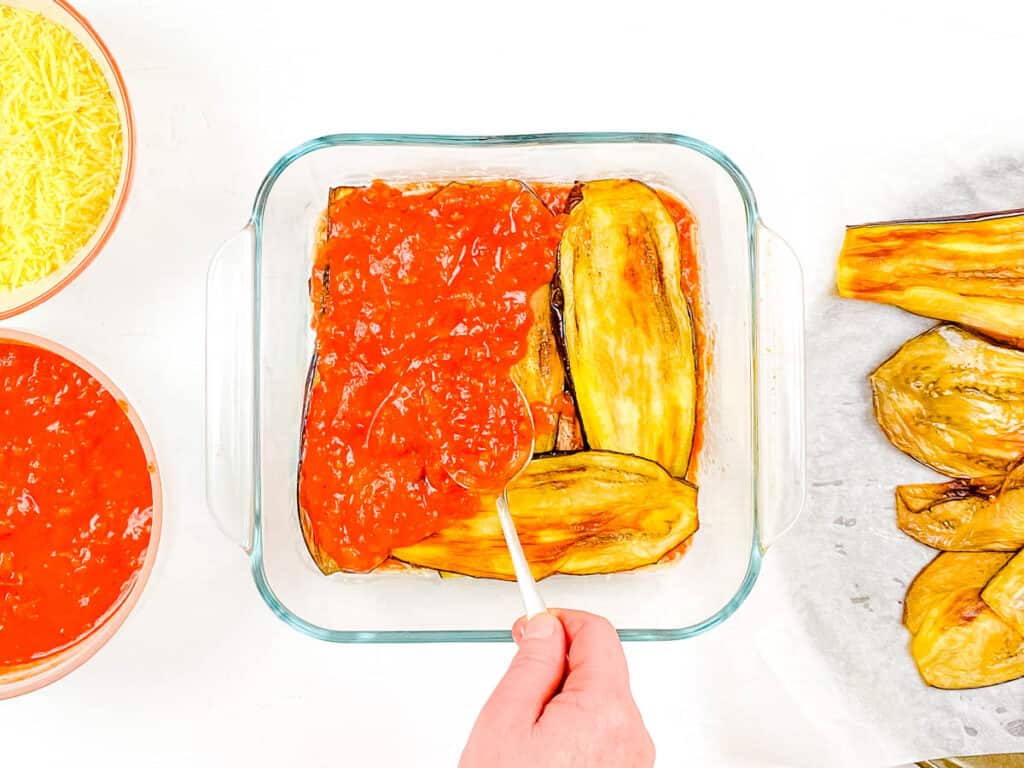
(449, 140)
(117, 204)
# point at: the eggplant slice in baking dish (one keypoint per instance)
(628, 334)
(579, 513)
(605, 489)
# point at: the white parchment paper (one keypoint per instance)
(834, 637)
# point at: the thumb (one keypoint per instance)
(533, 676)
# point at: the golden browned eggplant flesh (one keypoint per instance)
(1004, 593)
(579, 513)
(948, 572)
(953, 398)
(976, 515)
(968, 270)
(624, 312)
(610, 484)
(958, 640)
(954, 401)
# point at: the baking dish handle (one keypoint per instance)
(230, 395)
(780, 380)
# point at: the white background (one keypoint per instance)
(836, 112)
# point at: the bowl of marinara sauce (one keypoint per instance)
(80, 511)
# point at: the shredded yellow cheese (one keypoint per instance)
(60, 146)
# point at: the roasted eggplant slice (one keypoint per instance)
(588, 512)
(964, 515)
(1005, 593)
(962, 643)
(947, 573)
(968, 270)
(958, 641)
(628, 332)
(540, 375)
(953, 401)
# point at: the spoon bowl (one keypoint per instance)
(532, 601)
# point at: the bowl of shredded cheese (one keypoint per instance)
(68, 146)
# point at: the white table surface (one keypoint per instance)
(835, 115)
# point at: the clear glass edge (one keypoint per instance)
(491, 636)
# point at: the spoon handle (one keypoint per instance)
(532, 601)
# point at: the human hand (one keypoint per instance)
(564, 702)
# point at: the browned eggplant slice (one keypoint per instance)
(954, 401)
(588, 512)
(947, 573)
(628, 333)
(1004, 594)
(969, 270)
(962, 643)
(985, 514)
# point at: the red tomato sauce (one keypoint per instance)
(76, 503)
(422, 308)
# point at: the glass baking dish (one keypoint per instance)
(259, 344)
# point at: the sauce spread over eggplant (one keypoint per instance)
(431, 304)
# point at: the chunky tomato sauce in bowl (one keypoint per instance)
(80, 511)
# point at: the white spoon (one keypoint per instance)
(532, 601)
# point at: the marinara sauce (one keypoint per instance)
(76, 503)
(421, 308)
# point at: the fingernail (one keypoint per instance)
(541, 626)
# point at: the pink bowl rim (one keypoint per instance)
(52, 668)
(121, 197)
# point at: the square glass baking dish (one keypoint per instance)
(259, 344)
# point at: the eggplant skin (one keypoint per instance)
(978, 515)
(627, 328)
(968, 270)
(1004, 594)
(539, 373)
(581, 513)
(954, 401)
(947, 573)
